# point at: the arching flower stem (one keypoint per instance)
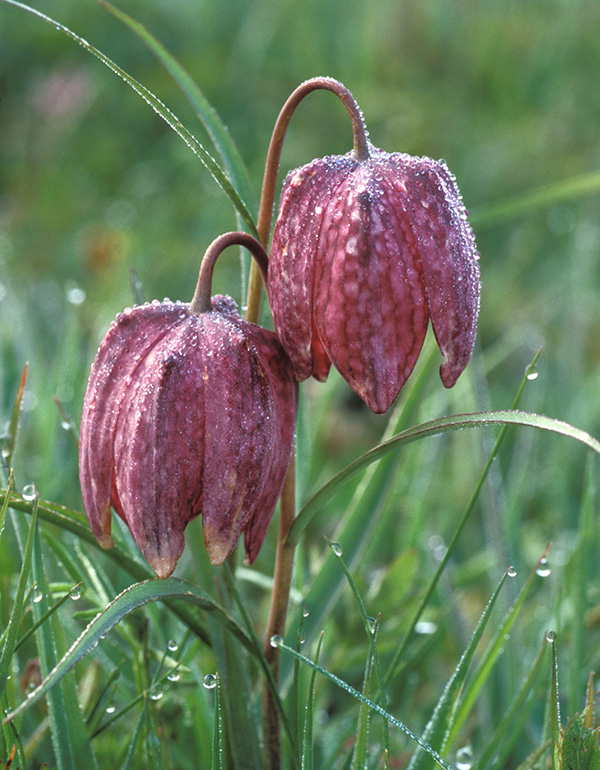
(201, 300)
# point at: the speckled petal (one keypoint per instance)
(125, 346)
(447, 254)
(370, 307)
(291, 265)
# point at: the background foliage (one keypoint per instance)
(92, 182)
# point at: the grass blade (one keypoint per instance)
(72, 748)
(126, 602)
(238, 173)
(307, 738)
(8, 648)
(9, 439)
(195, 146)
(434, 428)
(362, 699)
(439, 726)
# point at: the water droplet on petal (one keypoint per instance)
(210, 681)
(511, 572)
(543, 569)
(336, 548)
(29, 492)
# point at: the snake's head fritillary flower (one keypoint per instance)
(186, 414)
(366, 252)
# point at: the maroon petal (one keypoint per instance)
(291, 265)
(447, 254)
(125, 346)
(370, 307)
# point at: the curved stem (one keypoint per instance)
(267, 198)
(201, 301)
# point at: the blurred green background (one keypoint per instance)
(92, 182)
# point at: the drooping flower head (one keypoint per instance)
(366, 250)
(186, 413)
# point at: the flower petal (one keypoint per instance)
(370, 307)
(447, 253)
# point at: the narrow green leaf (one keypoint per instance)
(360, 752)
(238, 173)
(195, 146)
(440, 724)
(42, 618)
(9, 440)
(307, 739)
(70, 740)
(76, 522)
(362, 699)
(507, 732)
(554, 704)
(543, 197)
(4, 506)
(217, 743)
(434, 428)
(135, 284)
(8, 648)
(126, 602)
(492, 654)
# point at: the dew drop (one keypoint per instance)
(511, 572)
(425, 627)
(464, 758)
(110, 709)
(29, 492)
(550, 636)
(532, 373)
(75, 295)
(172, 645)
(372, 624)
(336, 548)
(305, 612)
(37, 594)
(156, 693)
(174, 676)
(75, 593)
(543, 569)
(276, 640)
(302, 637)
(65, 424)
(210, 681)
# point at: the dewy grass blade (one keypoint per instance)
(195, 146)
(4, 506)
(126, 602)
(75, 522)
(360, 697)
(371, 627)
(13, 425)
(8, 647)
(492, 653)
(217, 743)
(307, 737)
(507, 733)
(72, 748)
(238, 173)
(434, 428)
(554, 704)
(50, 611)
(439, 726)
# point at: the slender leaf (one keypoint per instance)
(217, 743)
(307, 739)
(195, 146)
(10, 439)
(434, 428)
(567, 189)
(8, 647)
(72, 748)
(126, 602)
(238, 173)
(362, 699)
(492, 654)
(439, 725)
